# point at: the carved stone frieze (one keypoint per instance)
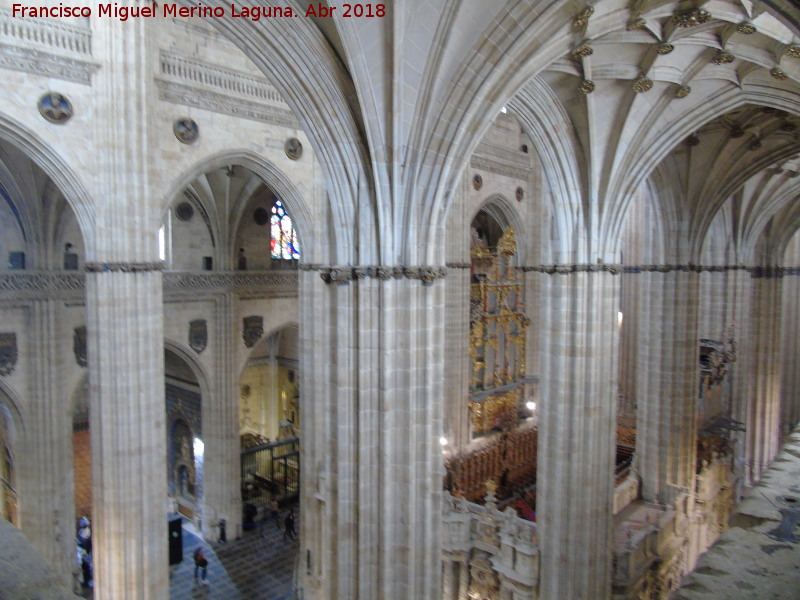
(499, 167)
(123, 267)
(188, 95)
(46, 64)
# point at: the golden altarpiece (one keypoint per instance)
(497, 337)
(506, 458)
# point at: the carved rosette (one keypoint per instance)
(692, 18)
(665, 48)
(643, 84)
(635, 24)
(723, 58)
(683, 91)
(746, 28)
(581, 20)
(792, 51)
(582, 51)
(778, 73)
(586, 86)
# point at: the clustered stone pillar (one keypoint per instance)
(575, 479)
(790, 355)
(126, 382)
(124, 320)
(764, 369)
(372, 464)
(47, 511)
(667, 380)
(221, 463)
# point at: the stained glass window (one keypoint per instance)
(283, 243)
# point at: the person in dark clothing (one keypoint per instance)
(288, 523)
(201, 564)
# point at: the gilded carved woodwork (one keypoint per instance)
(497, 335)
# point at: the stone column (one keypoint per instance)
(45, 465)
(126, 383)
(222, 497)
(763, 423)
(458, 366)
(790, 356)
(575, 478)
(372, 464)
(667, 383)
(124, 320)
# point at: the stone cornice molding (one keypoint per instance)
(573, 268)
(237, 281)
(42, 284)
(46, 64)
(494, 165)
(221, 90)
(123, 267)
(178, 93)
(71, 285)
(345, 274)
(757, 271)
(55, 33)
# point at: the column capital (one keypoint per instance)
(344, 274)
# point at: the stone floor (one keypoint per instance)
(258, 566)
(759, 556)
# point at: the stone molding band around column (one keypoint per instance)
(755, 271)
(345, 274)
(123, 267)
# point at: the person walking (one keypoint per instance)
(288, 524)
(200, 564)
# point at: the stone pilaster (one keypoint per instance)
(47, 512)
(372, 464)
(575, 478)
(667, 382)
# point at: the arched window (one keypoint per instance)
(283, 243)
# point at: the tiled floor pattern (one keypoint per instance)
(258, 566)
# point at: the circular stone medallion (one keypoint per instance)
(293, 148)
(186, 130)
(55, 108)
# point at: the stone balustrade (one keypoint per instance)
(487, 553)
